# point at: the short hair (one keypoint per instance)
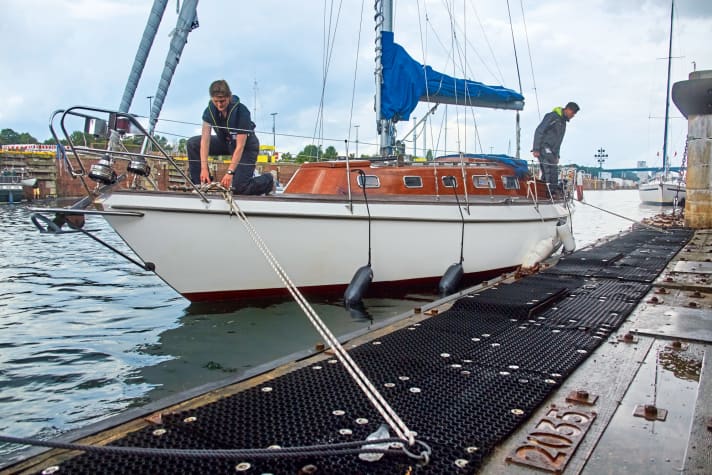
(219, 88)
(573, 106)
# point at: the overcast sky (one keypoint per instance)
(607, 55)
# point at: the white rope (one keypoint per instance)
(533, 193)
(377, 400)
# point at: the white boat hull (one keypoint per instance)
(205, 253)
(662, 192)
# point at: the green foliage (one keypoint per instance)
(429, 155)
(9, 136)
(330, 153)
(310, 154)
(183, 146)
(163, 142)
(286, 156)
(80, 138)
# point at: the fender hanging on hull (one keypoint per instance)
(358, 286)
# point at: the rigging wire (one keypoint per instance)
(351, 113)
(424, 50)
(514, 45)
(329, 40)
(353, 87)
(489, 47)
(531, 63)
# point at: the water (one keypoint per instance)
(85, 335)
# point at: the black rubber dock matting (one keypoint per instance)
(463, 380)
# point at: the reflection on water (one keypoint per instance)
(681, 365)
(85, 334)
(211, 346)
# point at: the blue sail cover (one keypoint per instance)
(404, 85)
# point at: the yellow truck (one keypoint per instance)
(267, 154)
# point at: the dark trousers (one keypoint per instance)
(549, 168)
(243, 182)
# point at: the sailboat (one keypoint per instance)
(348, 226)
(664, 188)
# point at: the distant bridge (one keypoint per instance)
(647, 169)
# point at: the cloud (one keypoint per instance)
(604, 54)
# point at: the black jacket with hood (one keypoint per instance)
(550, 133)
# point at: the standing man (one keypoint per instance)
(547, 141)
(234, 136)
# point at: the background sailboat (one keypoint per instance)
(663, 188)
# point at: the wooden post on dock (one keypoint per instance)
(694, 100)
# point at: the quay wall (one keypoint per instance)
(55, 178)
(698, 205)
(694, 100)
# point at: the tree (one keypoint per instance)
(286, 156)
(163, 142)
(309, 154)
(80, 138)
(429, 155)
(9, 137)
(182, 146)
(27, 138)
(330, 153)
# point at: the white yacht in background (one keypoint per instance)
(664, 189)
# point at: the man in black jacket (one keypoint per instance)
(547, 140)
(234, 136)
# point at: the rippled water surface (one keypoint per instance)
(85, 334)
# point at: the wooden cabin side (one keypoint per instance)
(483, 178)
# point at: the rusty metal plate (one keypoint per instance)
(553, 440)
(650, 412)
(582, 396)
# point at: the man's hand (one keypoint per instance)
(535, 153)
(204, 175)
(227, 181)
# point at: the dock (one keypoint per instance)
(598, 364)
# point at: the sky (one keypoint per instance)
(609, 56)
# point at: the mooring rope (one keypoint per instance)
(376, 399)
(395, 446)
(625, 217)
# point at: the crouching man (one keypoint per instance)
(234, 136)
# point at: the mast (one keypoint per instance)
(144, 48)
(666, 166)
(149, 34)
(384, 22)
